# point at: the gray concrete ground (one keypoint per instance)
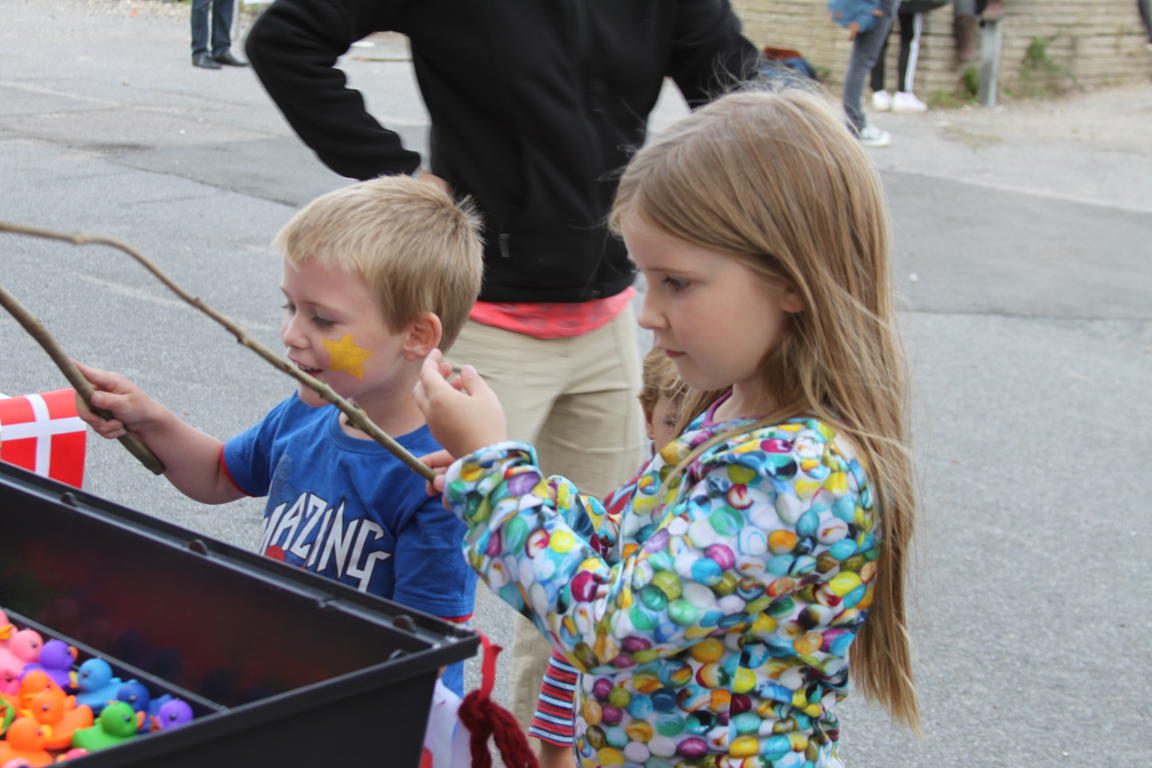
(1023, 256)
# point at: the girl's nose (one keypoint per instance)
(649, 317)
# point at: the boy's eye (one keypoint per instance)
(288, 307)
(675, 284)
(322, 322)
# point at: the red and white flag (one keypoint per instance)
(43, 433)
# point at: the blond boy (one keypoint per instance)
(375, 276)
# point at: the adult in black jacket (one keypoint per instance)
(535, 105)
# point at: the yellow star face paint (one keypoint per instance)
(344, 355)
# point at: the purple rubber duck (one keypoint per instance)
(56, 659)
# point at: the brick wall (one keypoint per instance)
(1094, 43)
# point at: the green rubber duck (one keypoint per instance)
(117, 723)
(7, 713)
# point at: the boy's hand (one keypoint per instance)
(129, 405)
(463, 413)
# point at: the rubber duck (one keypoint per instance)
(116, 724)
(55, 708)
(72, 754)
(95, 684)
(56, 659)
(26, 737)
(134, 693)
(36, 681)
(173, 714)
(23, 648)
(6, 629)
(7, 715)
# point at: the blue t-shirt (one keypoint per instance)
(349, 510)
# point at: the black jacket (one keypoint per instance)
(535, 107)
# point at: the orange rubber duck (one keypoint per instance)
(26, 739)
(55, 708)
(36, 681)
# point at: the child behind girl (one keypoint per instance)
(713, 625)
(661, 395)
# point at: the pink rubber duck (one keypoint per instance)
(23, 648)
(6, 629)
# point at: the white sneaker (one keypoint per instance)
(907, 102)
(871, 136)
(881, 101)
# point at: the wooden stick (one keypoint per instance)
(82, 386)
(356, 416)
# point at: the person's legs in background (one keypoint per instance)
(911, 26)
(199, 19)
(964, 29)
(222, 15)
(221, 27)
(865, 50)
(881, 98)
(1145, 7)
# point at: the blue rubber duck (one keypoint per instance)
(136, 694)
(96, 685)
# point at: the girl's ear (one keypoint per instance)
(790, 300)
(424, 334)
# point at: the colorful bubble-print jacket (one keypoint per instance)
(713, 628)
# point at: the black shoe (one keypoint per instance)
(204, 60)
(229, 59)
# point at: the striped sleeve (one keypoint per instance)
(554, 721)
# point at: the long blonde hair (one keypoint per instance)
(776, 180)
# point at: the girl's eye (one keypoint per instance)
(674, 284)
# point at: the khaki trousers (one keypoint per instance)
(575, 400)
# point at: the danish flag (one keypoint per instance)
(43, 433)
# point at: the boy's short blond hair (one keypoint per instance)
(660, 378)
(416, 248)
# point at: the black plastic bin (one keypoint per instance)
(282, 667)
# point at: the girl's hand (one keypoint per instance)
(463, 413)
(438, 462)
(133, 410)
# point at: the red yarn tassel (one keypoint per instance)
(485, 718)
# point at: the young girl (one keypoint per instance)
(714, 626)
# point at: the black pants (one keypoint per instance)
(221, 26)
(907, 23)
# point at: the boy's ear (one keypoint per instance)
(424, 334)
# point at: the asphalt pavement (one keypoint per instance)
(1023, 255)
